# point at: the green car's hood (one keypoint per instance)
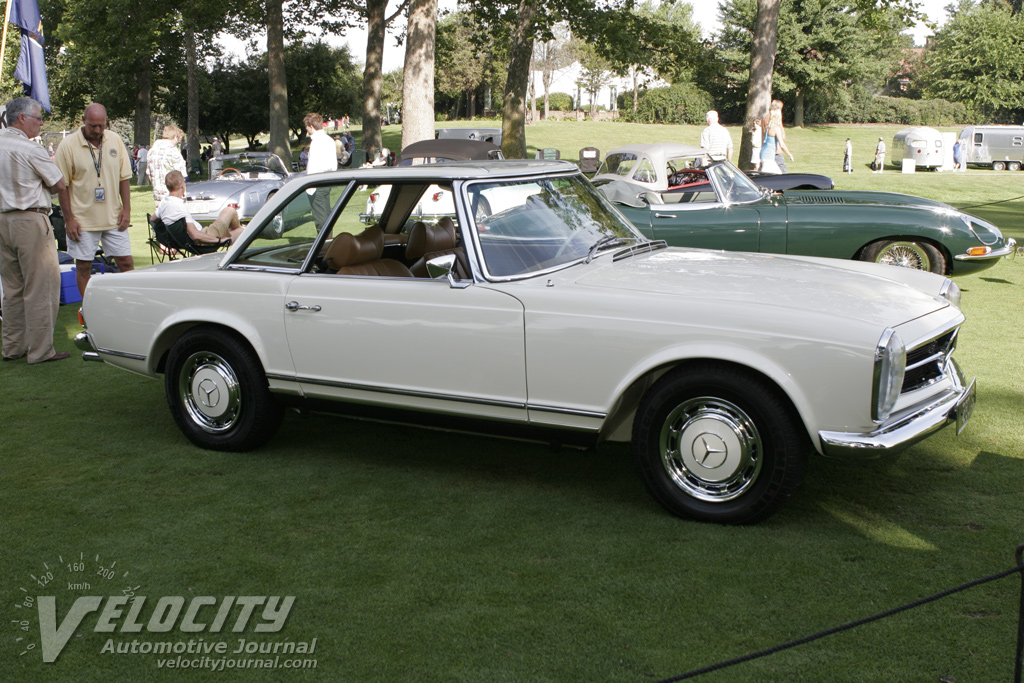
(862, 198)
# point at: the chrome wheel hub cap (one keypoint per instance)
(710, 449)
(906, 255)
(209, 392)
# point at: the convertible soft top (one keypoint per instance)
(448, 150)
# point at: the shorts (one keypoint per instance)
(115, 243)
(219, 228)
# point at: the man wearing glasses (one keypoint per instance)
(95, 165)
(28, 251)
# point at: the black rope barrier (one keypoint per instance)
(1001, 201)
(1019, 664)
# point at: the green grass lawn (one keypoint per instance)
(416, 555)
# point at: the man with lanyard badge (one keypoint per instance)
(96, 168)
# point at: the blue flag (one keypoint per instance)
(31, 69)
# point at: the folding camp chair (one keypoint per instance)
(179, 235)
(547, 153)
(161, 244)
(173, 240)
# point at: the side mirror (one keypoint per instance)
(444, 266)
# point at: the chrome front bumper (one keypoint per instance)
(955, 406)
(85, 345)
(1009, 251)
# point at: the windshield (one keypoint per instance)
(733, 186)
(524, 227)
(253, 166)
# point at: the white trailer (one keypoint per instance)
(996, 147)
(922, 144)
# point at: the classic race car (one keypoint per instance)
(551, 319)
(245, 181)
(716, 206)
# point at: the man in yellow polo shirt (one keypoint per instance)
(97, 170)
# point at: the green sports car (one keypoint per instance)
(715, 206)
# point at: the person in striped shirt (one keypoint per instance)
(716, 139)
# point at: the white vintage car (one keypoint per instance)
(553, 319)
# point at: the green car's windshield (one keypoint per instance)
(524, 227)
(733, 186)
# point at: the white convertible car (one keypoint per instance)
(552, 319)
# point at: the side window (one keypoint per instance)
(285, 239)
(645, 172)
(979, 138)
(363, 209)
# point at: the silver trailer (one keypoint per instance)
(920, 143)
(996, 147)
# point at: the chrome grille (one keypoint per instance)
(926, 363)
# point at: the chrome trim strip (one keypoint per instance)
(439, 397)
(566, 411)
(121, 354)
(399, 392)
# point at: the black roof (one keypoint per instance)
(449, 149)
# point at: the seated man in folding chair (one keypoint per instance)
(172, 208)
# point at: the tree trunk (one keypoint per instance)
(373, 74)
(798, 109)
(278, 83)
(472, 104)
(418, 82)
(143, 104)
(546, 78)
(762, 63)
(636, 92)
(192, 67)
(533, 98)
(513, 113)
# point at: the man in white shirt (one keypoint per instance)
(226, 227)
(716, 139)
(323, 157)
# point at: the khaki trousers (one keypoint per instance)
(31, 284)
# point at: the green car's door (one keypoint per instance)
(706, 226)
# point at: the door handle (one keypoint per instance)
(294, 306)
(664, 215)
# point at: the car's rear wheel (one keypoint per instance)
(218, 392)
(998, 166)
(907, 254)
(714, 443)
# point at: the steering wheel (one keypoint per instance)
(229, 170)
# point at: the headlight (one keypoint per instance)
(983, 230)
(950, 292)
(890, 363)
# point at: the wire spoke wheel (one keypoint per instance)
(903, 254)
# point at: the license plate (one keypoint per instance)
(198, 207)
(964, 407)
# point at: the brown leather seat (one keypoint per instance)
(361, 255)
(428, 242)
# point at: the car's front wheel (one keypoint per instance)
(714, 443)
(906, 254)
(218, 392)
